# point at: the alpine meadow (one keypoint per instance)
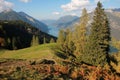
(78, 41)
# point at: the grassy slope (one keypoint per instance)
(41, 51)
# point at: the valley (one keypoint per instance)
(69, 21)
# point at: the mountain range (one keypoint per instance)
(18, 34)
(17, 30)
(70, 21)
(13, 15)
(62, 22)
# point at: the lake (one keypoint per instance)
(53, 31)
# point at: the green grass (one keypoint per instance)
(36, 52)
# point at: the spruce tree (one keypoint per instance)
(65, 46)
(44, 40)
(98, 46)
(69, 46)
(52, 40)
(14, 47)
(35, 40)
(59, 48)
(2, 41)
(61, 37)
(80, 34)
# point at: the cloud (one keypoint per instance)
(55, 13)
(5, 5)
(25, 1)
(75, 5)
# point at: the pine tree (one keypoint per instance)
(14, 47)
(8, 43)
(52, 40)
(59, 49)
(35, 41)
(1, 28)
(65, 46)
(69, 46)
(2, 41)
(61, 37)
(44, 40)
(80, 34)
(98, 46)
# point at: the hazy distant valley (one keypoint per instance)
(70, 21)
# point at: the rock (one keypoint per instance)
(45, 61)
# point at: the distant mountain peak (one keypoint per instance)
(109, 10)
(27, 16)
(23, 13)
(116, 9)
(31, 19)
(113, 10)
(69, 16)
(8, 10)
(12, 15)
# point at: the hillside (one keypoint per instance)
(13, 15)
(114, 24)
(49, 22)
(65, 21)
(41, 64)
(19, 34)
(36, 52)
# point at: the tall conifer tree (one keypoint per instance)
(52, 40)
(35, 40)
(44, 40)
(59, 49)
(69, 44)
(65, 46)
(61, 37)
(80, 34)
(14, 43)
(99, 38)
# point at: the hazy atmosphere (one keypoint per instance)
(53, 9)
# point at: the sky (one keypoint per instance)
(53, 9)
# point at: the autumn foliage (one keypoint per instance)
(22, 69)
